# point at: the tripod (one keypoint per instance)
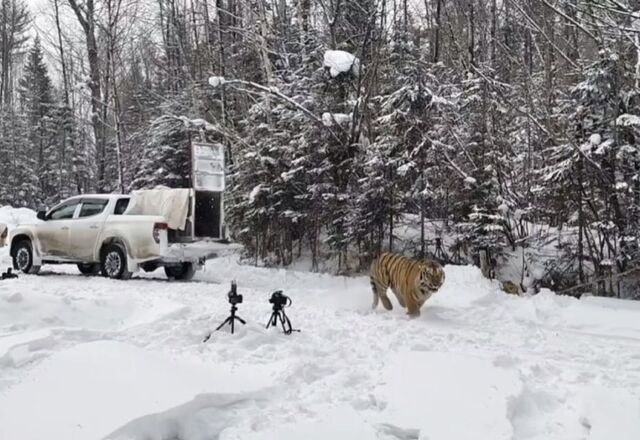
(230, 320)
(279, 314)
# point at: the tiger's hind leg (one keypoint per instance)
(385, 299)
(376, 297)
(380, 293)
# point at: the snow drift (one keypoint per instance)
(88, 358)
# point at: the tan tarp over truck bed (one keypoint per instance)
(171, 203)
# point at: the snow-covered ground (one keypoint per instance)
(91, 358)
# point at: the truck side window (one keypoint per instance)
(121, 206)
(93, 207)
(63, 212)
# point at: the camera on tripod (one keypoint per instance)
(8, 275)
(234, 297)
(279, 300)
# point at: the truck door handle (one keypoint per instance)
(65, 228)
(93, 227)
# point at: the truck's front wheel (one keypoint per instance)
(113, 262)
(181, 271)
(23, 258)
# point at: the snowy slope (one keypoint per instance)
(87, 358)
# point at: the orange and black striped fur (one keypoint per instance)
(413, 282)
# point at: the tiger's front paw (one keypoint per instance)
(413, 313)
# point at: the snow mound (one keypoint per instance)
(606, 411)
(339, 61)
(337, 422)
(90, 390)
(424, 390)
(74, 310)
(16, 216)
(476, 364)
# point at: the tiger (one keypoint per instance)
(413, 282)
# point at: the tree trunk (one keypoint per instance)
(86, 17)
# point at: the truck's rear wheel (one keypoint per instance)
(23, 258)
(113, 262)
(89, 268)
(181, 271)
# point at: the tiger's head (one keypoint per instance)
(430, 279)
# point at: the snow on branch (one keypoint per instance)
(216, 81)
(628, 120)
(331, 119)
(339, 61)
(275, 92)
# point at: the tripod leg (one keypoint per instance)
(241, 320)
(272, 320)
(223, 323)
(284, 321)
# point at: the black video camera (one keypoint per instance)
(8, 275)
(279, 300)
(234, 298)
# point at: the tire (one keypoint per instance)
(180, 272)
(89, 268)
(149, 266)
(23, 258)
(113, 262)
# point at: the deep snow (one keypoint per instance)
(89, 358)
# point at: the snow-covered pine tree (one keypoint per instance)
(166, 159)
(19, 185)
(36, 102)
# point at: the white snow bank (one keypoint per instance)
(10, 217)
(477, 362)
(74, 309)
(424, 390)
(28, 341)
(16, 216)
(336, 422)
(90, 390)
(607, 411)
(597, 316)
(204, 418)
(339, 61)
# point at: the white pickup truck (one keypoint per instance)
(97, 233)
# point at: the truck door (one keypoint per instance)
(53, 234)
(86, 228)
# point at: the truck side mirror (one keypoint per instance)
(42, 215)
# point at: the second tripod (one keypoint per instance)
(279, 302)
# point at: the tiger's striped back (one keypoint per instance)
(413, 282)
